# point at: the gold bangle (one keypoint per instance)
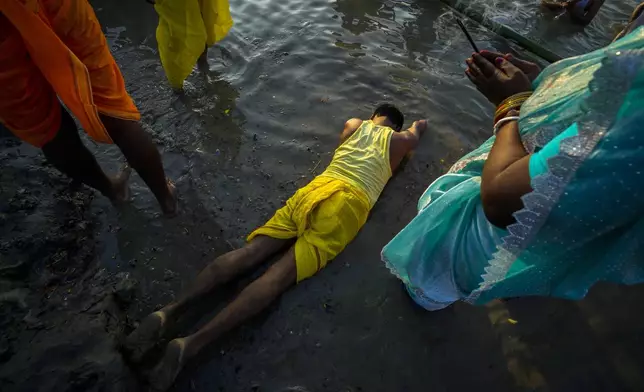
(508, 106)
(517, 97)
(511, 102)
(521, 96)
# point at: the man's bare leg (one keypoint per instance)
(69, 155)
(222, 270)
(143, 156)
(252, 300)
(202, 62)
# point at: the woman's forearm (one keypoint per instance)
(506, 176)
(506, 150)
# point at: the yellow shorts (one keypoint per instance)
(325, 216)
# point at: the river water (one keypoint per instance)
(266, 117)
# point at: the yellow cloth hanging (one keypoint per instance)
(185, 28)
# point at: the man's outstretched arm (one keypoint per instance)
(404, 142)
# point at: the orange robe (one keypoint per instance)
(51, 50)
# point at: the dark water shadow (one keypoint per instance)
(361, 16)
(590, 344)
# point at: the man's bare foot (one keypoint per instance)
(120, 186)
(170, 207)
(163, 375)
(143, 339)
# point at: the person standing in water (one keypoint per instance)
(186, 29)
(55, 49)
(580, 11)
(314, 226)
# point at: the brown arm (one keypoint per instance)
(506, 176)
(404, 142)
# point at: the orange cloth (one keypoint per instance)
(52, 48)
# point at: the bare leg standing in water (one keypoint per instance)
(69, 155)
(202, 62)
(83, 167)
(143, 156)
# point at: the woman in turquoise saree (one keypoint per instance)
(552, 204)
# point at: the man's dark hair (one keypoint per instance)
(392, 113)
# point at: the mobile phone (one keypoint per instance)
(467, 35)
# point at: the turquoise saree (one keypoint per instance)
(582, 223)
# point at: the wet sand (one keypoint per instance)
(76, 273)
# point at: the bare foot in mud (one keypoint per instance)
(143, 339)
(163, 375)
(120, 186)
(170, 207)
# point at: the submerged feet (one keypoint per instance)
(151, 331)
(163, 375)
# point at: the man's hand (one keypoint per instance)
(418, 128)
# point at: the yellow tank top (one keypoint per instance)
(363, 160)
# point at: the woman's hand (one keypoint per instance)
(496, 82)
(529, 68)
